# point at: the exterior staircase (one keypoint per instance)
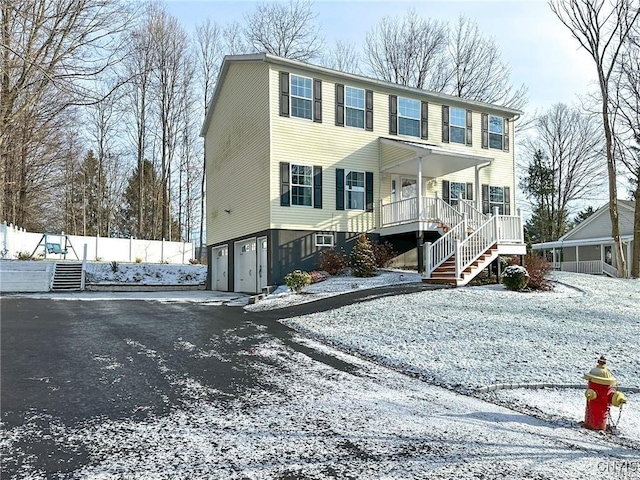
(465, 249)
(67, 277)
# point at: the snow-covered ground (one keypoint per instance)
(467, 338)
(145, 274)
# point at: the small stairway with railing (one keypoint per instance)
(67, 277)
(468, 247)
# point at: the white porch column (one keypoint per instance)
(419, 189)
(629, 258)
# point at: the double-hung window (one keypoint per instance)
(457, 191)
(354, 107)
(302, 185)
(408, 117)
(496, 199)
(496, 132)
(457, 125)
(354, 190)
(301, 97)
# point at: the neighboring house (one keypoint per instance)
(589, 247)
(300, 158)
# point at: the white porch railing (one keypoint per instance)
(470, 249)
(433, 208)
(438, 252)
(592, 267)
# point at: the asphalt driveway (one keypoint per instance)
(149, 389)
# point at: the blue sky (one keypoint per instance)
(541, 52)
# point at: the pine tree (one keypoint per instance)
(363, 259)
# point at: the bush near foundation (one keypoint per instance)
(331, 261)
(383, 253)
(515, 277)
(538, 268)
(297, 280)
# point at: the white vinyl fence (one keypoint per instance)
(15, 240)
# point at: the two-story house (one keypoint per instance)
(300, 158)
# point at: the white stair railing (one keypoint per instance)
(438, 252)
(474, 216)
(447, 214)
(476, 244)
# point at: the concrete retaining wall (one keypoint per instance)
(19, 276)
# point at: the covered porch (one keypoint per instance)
(425, 211)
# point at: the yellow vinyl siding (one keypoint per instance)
(299, 141)
(237, 153)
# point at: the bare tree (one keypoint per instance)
(50, 54)
(563, 166)
(626, 106)
(342, 56)
(234, 42)
(287, 30)
(476, 69)
(408, 51)
(601, 28)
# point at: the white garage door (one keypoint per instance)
(245, 266)
(220, 258)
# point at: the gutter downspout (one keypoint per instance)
(478, 188)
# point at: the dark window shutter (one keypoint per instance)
(285, 191)
(469, 125)
(507, 200)
(485, 130)
(339, 105)
(505, 144)
(485, 199)
(445, 124)
(368, 113)
(317, 100)
(445, 191)
(424, 121)
(284, 94)
(339, 188)
(317, 187)
(368, 188)
(469, 191)
(393, 115)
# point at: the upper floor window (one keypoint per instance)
(302, 185)
(496, 132)
(354, 107)
(457, 125)
(408, 117)
(301, 97)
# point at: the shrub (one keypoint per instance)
(114, 266)
(24, 256)
(383, 253)
(297, 280)
(363, 260)
(331, 261)
(138, 260)
(538, 268)
(515, 277)
(317, 276)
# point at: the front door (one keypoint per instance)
(262, 264)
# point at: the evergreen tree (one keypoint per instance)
(582, 215)
(88, 205)
(148, 204)
(363, 259)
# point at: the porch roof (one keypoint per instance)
(582, 242)
(399, 157)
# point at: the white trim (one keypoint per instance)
(291, 185)
(355, 189)
(331, 244)
(419, 119)
(291, 95)
(363, 109)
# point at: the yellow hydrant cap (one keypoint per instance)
(600, 374)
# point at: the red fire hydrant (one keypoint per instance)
(601, 394)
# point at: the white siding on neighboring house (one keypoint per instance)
(237, 152)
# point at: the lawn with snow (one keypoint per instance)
(113, 273)
(467, 338)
